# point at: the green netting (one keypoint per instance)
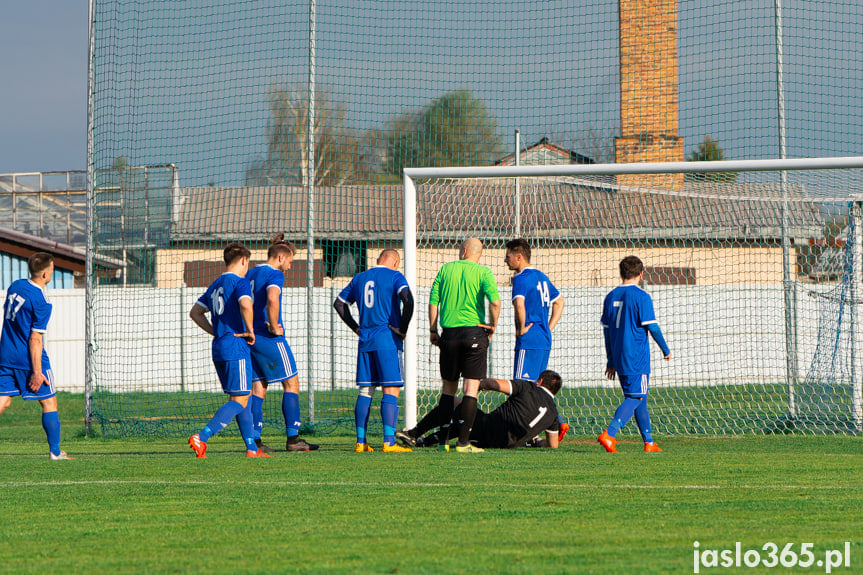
(200, 137)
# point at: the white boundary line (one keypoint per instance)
(409, 484)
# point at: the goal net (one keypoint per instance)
(751, 274)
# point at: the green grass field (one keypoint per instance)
(148, 506)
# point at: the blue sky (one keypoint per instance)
(43, 101)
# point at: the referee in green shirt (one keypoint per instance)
(457, 299)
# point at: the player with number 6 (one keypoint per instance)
(385, 305)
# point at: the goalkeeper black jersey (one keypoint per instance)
(529, 410)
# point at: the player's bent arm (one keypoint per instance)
(656, 334)
(407, 300)
(197, 314)
(274, 303)
(556, 312)
(552, 438)
(434, 338)
(501, 385)
(433, 315)
(248, 315)
(607, 337)
(34, 348)
(494, 312)
(344, 312)
(520, 314)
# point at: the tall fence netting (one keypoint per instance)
(200, 137)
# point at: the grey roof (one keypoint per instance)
(574, 210)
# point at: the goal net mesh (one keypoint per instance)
(761, 330)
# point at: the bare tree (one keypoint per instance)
(337, 150)
(592, 143)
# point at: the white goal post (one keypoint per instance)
(574, 171)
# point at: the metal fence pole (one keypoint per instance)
(310, 243)
(89, 346)
(788, 282)
(856, 318)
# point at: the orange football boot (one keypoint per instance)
(258, 453)
(608, 442)
(199, 446)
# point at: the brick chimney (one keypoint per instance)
(648, 90)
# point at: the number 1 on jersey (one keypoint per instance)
(535, 420)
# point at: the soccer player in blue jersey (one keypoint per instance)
(534, 297)
(385, 305)
(272, 359)
(228, 300)
(627, 318)
(24, 366)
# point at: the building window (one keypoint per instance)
(669, 276)
(344, 258)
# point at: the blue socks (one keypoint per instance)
(244, 422)
(623, 414)
(256, 404)
(51, 425)
(642, 418)
(361, 416)
(291, 411)
(630, 405)
(390, 417)
(221, 420)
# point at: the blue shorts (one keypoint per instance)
(529, 363)
(634, 385)
(14, 382)
(379, 367)
(272, 360)
(235, 376)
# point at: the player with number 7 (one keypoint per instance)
(627, 318)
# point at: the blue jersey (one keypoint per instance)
(222, 299)
(25, 310)
(260, 278)
(626, 313)
(376, 293)
(538, 293)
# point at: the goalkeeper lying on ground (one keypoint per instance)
(529, 410)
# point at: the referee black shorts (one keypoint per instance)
(463, 353)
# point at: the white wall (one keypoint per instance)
(146, 341)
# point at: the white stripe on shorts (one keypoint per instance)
(519, 363)
(50, 375)
(290, 370)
